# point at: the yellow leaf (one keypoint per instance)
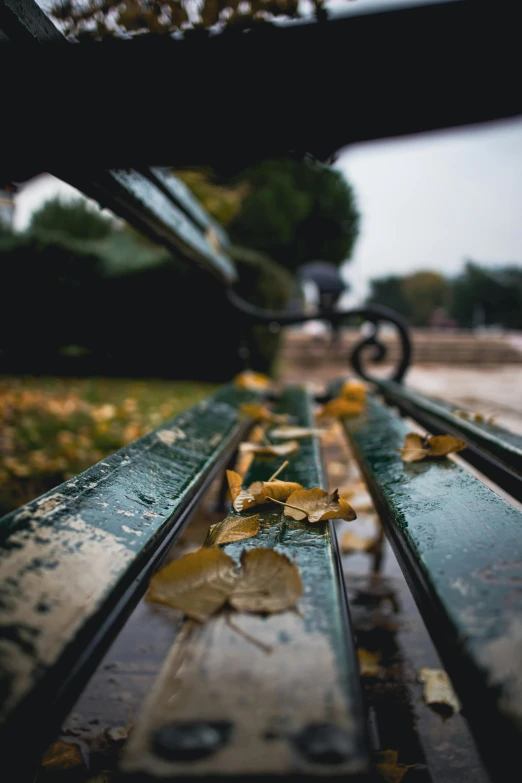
(289, 432)
(270, 583)
(16, 467)
(252, 381)
(369, 662)
(352, 543)
(340, 408)
(198, 583)
(62, 755)
(318, 505)
(232, 529)
(259, 412)
(441, 445)
(438, 690)
(416, 447)
(389, 768)
(462, 414)
(273, 450)
(104, 412)
(354, 391)
(256, 493)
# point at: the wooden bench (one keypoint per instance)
(74, 562)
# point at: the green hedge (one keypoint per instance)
(123, 306)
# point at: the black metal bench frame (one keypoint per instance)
(459, 89)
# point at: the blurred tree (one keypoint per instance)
(222, 201)
(423, 293)
(489, 296)
(296, 211)
(75, 218)
(99, 19)
(388, 292)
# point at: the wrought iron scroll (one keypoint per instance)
(370, 346)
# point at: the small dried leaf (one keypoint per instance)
(270, 582)
(389, 768)
(353, 543)
(340, 408)
(198, 584)
(62, 755)
(275, 450)
(416, 447)
(118, 733)
(289, 432)
(438, 690)
(252, 381)
(354, 391)
(336, 469)
(369, 662)
(462, 414)
(258, 492)
(259, 412)
(441, 445)
(241, 498)
(317, 505)
(232, 529)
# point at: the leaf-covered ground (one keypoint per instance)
(53, 428)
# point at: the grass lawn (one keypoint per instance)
(53, 428)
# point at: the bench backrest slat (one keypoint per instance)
(69, 561)
(178, 191)
(137, 199)
(461, 546)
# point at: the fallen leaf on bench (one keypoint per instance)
(438, 691)
(272, 450)
(270, 582)
(295, 432)
(369, 662)
(260, 413)
(340, 408)
(232, 529)
(416, 447)
(336, 469)
(257, 493)
(317, 505)
(389, 768)
(353, 543)
(198, 584)
(62, 755)
(252, 381)
(354, 391)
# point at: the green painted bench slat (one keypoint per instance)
(294, 711)
(72, 562)
(460, 546)
(492, 449)
(137, 199)
(184, 198)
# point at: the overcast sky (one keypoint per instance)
(432, 201)
(427, 202)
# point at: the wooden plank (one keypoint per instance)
(74, 562)
(23, 21)
(139, 201)
(168, 119)
(460, 546)
(492, 449)
(186, 201)
(293, 709)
